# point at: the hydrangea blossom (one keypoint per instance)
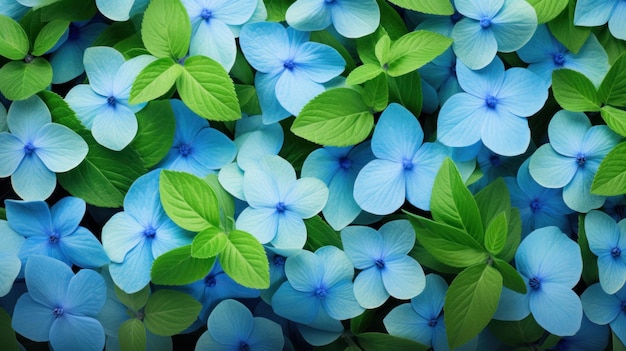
(351, 18)
(607, 240)
(494, 166)
(121, 10)
(142, 232)
(13, 9)
(55, 232)
(550, 264)
(231, 326)
(10, 264)
(590, 337)
(35, 149)
(403, 168)
(489, 27)
(277, 273)
(102, 105)
(571, 159)
(590, 13)
(290, 69)
(440, 73)
(493, 108)
(60, 307)
(602, 308)
(386, 269)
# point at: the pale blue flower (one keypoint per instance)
(134, 238)
(404, 168)
(290, 69)
(602, 308)
(10, 264)
(550, 264)
(102, 105)
(60, 307)
(382, 257)
(55, 232)
(351, 18)
(13, 9)
(607, 240)
(35, 149)
(591, 13)
(571, 159)
(121, 10)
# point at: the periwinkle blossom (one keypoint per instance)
(602, 308)
(591, 13)
(102, 105)
(607, 240)
(135, 237)
(351, 18)
(382, 257)
(493, 108)
(197, 148)
(10, 264)
(60, 306)
(544, 54)
(550, 264)
(404, 166)
(291, 70)
(121, 10)
(571, 159)
(34, 149)
(55, 232)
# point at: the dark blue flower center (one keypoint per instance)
(149, 232)
(491, 101)
(535, 205)
(74, 32)
(280, 207)
(495, 160)
(407, 164)
(289, 64)
(29, 148)
(534, 283)
(380, 264)
(321, 292)
(57, 312)
(624, 306)
(53, 237)
(558, 58)
(184, 150)
(279, 260)
(243, 346)
(206, 14)
(111, 100)
(345, 163)
(432, 322)
(455, 17)
(485, 22)
(580, 159)
(210, 281)
(616, 252)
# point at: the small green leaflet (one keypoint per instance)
(21, 80)
(155, 132)
(590, 261)
(436, 7)
(496, 233)
(276, 9)
(517, 333)
(49, 36)
(13, 39)
(548, 9)
(208, 243)
(610, 179)
(382, 48)
(244, 260)
(8, 341)
(407, 91)
(563, 28)
(155, 80)
(177, 267)
(510, 277)
(166, 29)
(132, 335)
(613, 88)
(492, 200)
(414, 50)
(615, 119)
(383, 341)
(574, 92)
(376, 93)
(134, 301)
(169, 312)
(514, 236)
(363, 73)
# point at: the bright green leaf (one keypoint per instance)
(574, 92)
(241, 70)
(510, 277)
(366, 45)
(208, 243)
(516, 333)
(177, 267)
(276, 9)
(8, 341)
(155, 132)
(492, 200)
(426, 259)
(244, 260)
(563, 28)
(614, 47)
(155, 80)
(414, 50)
(382, 48)
(134, 301)
(548, 9)
(319, 234)
(248, 99)
(363, 73)
(376, 93)
(166, 29)
(514, 236)
(169, 312)
(407, 91)
(590, 273)
(132, 335)
(224, 198)
(436, 7)
(13, 39)
(496, 233)
(49, 36)
(21, 80)
(610, 179)
(613, 88)
(615, 119)
(384, 341)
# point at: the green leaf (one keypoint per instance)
(189, 201)
(155, 132)
(414, 50)
(426, 259)
(590, 261)
(452, 203)
(618, 345)
(376, 93)
(383, 341)
(244, 260)
(492, 200)
(241, 70)
(548, 9)
(336, 117)
(361, 323)
(615, 119)
(438, 7)
(514, 237)
(366, 45)
(155, 80)
(13, 39)
(510, 277)
(613, 88)
(319, 234)
(563, 28)
(208, 243)
(610, 179)
(69, 10)
(496, 233)
(574, 92)
(207, 90)
(276, 9)
(135, 301)
(470, 302)
(614, 47)
(295, 149)
(382, 48)
(390, 20)
(166, 29)
(514, 333)
(3, 213)
(61, 111)
(363, 73)
(169, 312)
(177, 267)
(114, 33)
(407, 91)
(224, 198)
(248, 99)
(21, 80)
(132, 335)
(49, 36)
(8, 341)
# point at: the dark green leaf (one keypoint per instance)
(276, 9)
(510, 277)
(241, 70)
(169, 312)
(177, 267)
(155, 132)
(563, 28)
(319, 234)
(391, 20)
(574, 92)
(13, 39)
(166, 29)
(548, 9)
(135, 301)
(244, 260)
(516, 333)
(8, 341)
(407, 91)
(383, 341)
(492, 200)
(590, 261)
(132, 335)
(610, 179)
(69, 10)
(324, 37)
(21, 80)
(514, 237)
(248, 99)
(613, 88)
(439, 7)
(360, 323)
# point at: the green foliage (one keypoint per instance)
(155, 132)
(563, 28)
(390, 20)
(248, 99)
(613, 88)
(325, 37)
(224, 199)
(590, 272)
(407, 91)
(276, 9)
(178, 267)
(8, 341)
(496, 234)
(376, 93)
(574, 92)
(510, 277)
(13, 39)
(243, 259)
(363, 73)
(360, 323)
(414, 50)
(319, 234)
(439, 7)
(49, 36)
(548, 9)
(134, 301)
(22, 79)
(132, 335)
(166, 29)
(3, 213)
(169, 312)
(516, 333)
(208, 243)
(382, 341)
(69, 10)
(615, 119)
(155, 80)
(610, 179)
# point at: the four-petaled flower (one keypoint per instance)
(351, 18)
(607, 240)
(591, 13)
(602, 308)
(10, 264)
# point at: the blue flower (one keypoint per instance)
(278, 203)
(13, 9)
(318, 286)
(403, 168)
(36, 149)
(290, 69)
(60, 307)
(590, 13)
(494, 166)
(607, 240)
(571, 159)
(489, 27)
(435, 23)
(141, 233)
(382, 257)
(440, 73)
(10, 264)
(102, 105)
(493, 108)
(615, 206)
(590, 337)
(551, 264)
(231, 326)
(121, 10)
(602, 308)
(544, 54)
(55, 232)
(338, 168)
(351, 18)
(277, 273)
(197, 148)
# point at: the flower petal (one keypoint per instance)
(28, 310)
(133, 274)
(505, 133)
(265, 45)
(612, 271)
(512, 306)
(26, 117)
(30, 218)
(67, 62)
(473, 45)
(567, 131)
(298, 306)
(602, 232)
(591, 13)
(294, 89)
(233, 12)
(214, 39)
(398, 135)
(11, 266)
(230, 322)
(115, 127)
(369, 290)
(11, 153)
(420, 178)
(398, 237)
(355, 18)
(363, 245)
(460, 120)
(520, 94)
(598, 141)
(121, 234)
(84, 249)
(117, 10)
(577, 194)
(47, 280)
(86, 293)
(32, 180)
(260, 222)
(550, 169)
(319, 63)
(213, 150)
(72, 332)
(86, 103)
(101, 64)
(306, 197)
(403, 278)
(600, 307)
(309, 15)
(379, 187)
(481, 83)
(341, 209)
(557, 309)
(403, 322)
(290, 232)
(514, 25)
(265, 85)
(59, 148)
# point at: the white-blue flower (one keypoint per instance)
(351, 18)
(591, 13)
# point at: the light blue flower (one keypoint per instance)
(290, 69)
(134, 238)
(338, 167)
(440, 73)
(60, 307)
(550, 264)
(10, 264)
(590, 337)
(278, 203)
(35, 149)
(318, 285)
(55, 232)
(13, 9)
(403, 168)
(102, 105)
(602, 308)
(493, 108)
(351, 18)
(544, 54)
(121, 10)
(197, 148)
(571, 159)
(489, 27)
(231, 326)
(382, 257)
(607, 240)
(590, 13)
(277, 274)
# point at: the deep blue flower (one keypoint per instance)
(607, 240)
(602, 308)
